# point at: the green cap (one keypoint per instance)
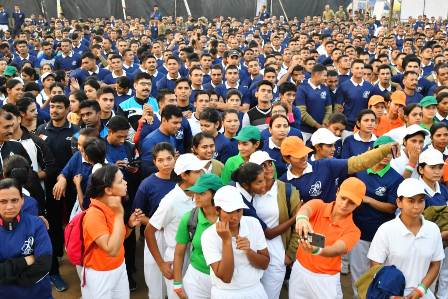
(207, 181)
(428, 101)
(383, 140)
(248, 133)
(10, 71)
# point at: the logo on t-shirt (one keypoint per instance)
(366, 94)
(180, 134)
(323, 95)
(419, 89)
(380, 191)
(316, 189)
(27, 247)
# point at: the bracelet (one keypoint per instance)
(422, 288)
(419, 291)
(412, 165)
(177, 285)
(409, 168)
(318, 251)
(301, 217)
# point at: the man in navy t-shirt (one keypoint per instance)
(171, 119)
(353, 95)
(314, 101)
(410, 81)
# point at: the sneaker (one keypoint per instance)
(58, 283)
(132, 284)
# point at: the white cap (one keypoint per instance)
(410, 187)
(412, 129)
(229, 199)
(45, 75)
(187, 162)
(431, 156)
(259, 157)
(323, 136)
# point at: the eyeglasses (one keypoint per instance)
(267, 164)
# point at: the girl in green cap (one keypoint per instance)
(248, 142)
(196, 283)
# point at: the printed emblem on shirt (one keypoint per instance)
(323, 95)
(366, 94)
(419, 89)
(380, 191)
(180, 134)
(316, 189)
(27, 247)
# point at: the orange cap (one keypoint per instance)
(295, 147)
(376, 99)
(398, 97)
(354, 189)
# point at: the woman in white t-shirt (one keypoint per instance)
(166, 218)
(236, 249)
(409, 242)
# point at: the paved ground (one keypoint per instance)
(68, 272)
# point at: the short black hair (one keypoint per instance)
(90, 104)
(170, 111)
(60, 98)
(118, 123)
(141, 76)
(286, 87)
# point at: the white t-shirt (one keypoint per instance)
(399, 165)
(267, 209)
(167, 217)
(244, 274)
(194, 125)
(394, 244)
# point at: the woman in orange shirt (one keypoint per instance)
(104, 232)
(316, 271)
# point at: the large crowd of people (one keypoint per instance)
(255, 155)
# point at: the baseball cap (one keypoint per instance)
(431, 156)
(207, 181)
(410, 187)
(234, 53)
(376, 99)
(398, 97)
(10, 71)
(383, 140)
(248, 133)
(323, 136)
(428, 101)
(259, 157)
(354, 189)
(412, 129)
(295, 147)
(187, 162)
(45, 76)
(229, 199)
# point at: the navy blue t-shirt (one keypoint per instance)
(383, 189)
(30, 237)
(354, 99)
(439, 199)
(150, 193)
(147, 146)
(322, 181)
(352, 147)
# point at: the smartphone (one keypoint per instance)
(317, 240)
(135, 163)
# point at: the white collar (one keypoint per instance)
(290, 175)
(358, 138)
(69, 55)
(116, 76)
(383, 89)
(96, 71)
(169, 77)
(25, 192)
(428, 189)
(440, 117)
(228, 86)
(312, 85)
(244, 192)
(356, 84)
(200, 88)
(425, 65)
(142, 70)
(272, 145)
(127, 66)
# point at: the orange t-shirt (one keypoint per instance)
(97, 222)
(344, 230)
(385, 125)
